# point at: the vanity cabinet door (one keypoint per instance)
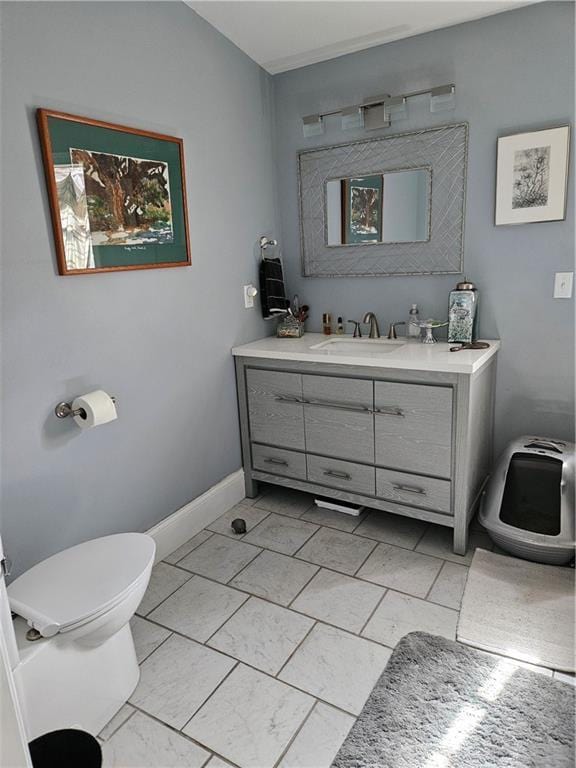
(413, 427)
(275, 408)
(338, 417)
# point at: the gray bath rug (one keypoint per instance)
(519, 609)
(439, 704)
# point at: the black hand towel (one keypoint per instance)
(272, 290)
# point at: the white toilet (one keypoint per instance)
(83, 665)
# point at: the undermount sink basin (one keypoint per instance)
(340, 346)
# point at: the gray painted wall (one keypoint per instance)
(160, 340)
(513, 72)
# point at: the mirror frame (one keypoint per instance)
(443, 150)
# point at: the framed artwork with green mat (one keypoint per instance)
(117, 195)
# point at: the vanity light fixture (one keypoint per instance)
(313, 125)
(375, 113)
(442, 98)
(352, 117)
(379, 111)
(396, 107)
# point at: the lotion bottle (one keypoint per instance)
(413, 330)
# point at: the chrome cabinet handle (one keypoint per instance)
(390, 410)
(409, 489)
(340, 406)
(280, 462)
(336, 473)
(289, 399)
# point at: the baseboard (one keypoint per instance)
(187, 521)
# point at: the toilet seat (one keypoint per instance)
(81, 583)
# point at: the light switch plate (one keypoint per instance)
(563, 285)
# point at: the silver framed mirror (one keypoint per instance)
(388, 206)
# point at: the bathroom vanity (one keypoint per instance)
(394, 425)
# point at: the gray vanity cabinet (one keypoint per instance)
(338, 417)
(413, 425)
(415, 443)
(275, 408)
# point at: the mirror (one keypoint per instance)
(390, 207)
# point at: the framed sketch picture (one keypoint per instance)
(532, 176)
(117, 195)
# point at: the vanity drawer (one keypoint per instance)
(413, 427)
(418, 491)
(338, 417)
(355, 478)
(279, 462)
(275, 408)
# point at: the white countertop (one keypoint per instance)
(409, 355)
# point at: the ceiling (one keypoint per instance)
(288, 34)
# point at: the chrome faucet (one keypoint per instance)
(370, 317)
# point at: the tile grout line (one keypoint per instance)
(363, 563)
(121, 724)
(157, 647)
(424, 532)
(242, 604)
(192, 575)
(296, 734)
(235, 536)
(293, 653)
(204, 530)
(207, 699)
(297, 595)
(428, 593)
(205, 747)
(368, 620)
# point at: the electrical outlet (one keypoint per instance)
(563, 285)
(249, 293)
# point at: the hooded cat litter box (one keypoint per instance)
(528, 505)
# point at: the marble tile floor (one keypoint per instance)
(258, 651)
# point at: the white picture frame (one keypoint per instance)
(532, 176)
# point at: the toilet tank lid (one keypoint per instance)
(82, 581)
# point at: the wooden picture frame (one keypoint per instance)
(532, 176)
(117, 195)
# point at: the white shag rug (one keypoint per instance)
(519, 609)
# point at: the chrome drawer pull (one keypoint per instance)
(289, 399)
(409, 489)
(389, 410)
(272, 460)
(340, 406)
(336, 473)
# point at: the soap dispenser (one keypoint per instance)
(463, 313)
(413, 330)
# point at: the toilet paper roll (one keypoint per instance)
(98, 407)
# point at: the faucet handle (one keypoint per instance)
(357, 330)
(392, 329)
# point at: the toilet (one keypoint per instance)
(76, 659)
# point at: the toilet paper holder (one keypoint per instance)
(63, 410)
